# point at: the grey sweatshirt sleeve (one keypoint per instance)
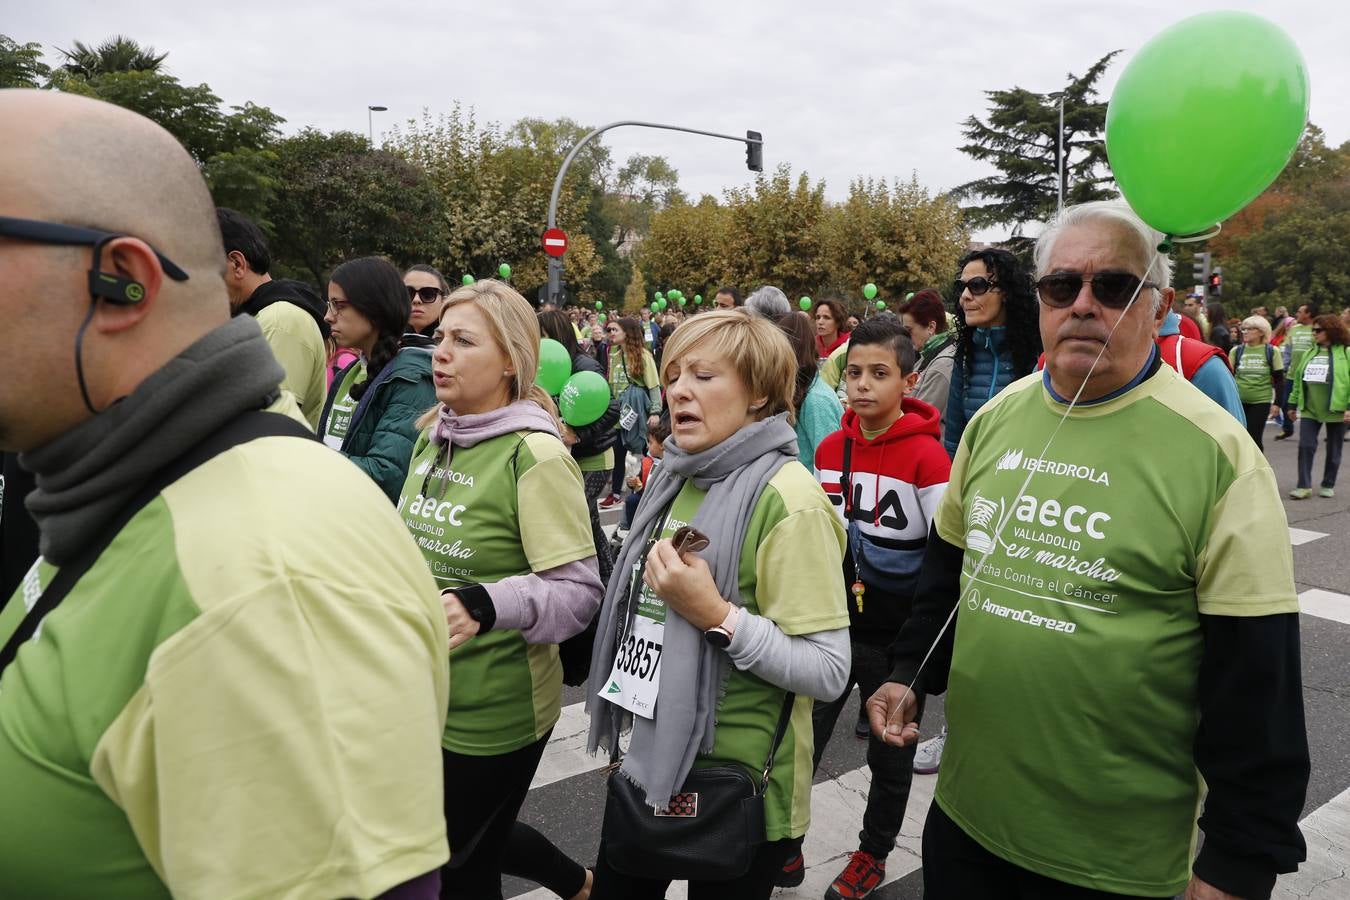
(816, 665)
(549, 606)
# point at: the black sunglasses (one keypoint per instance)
(978, 286)
(40, 232)
(424, 294)
(1112, 289)
(1318, 330)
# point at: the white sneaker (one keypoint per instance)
(929, 755)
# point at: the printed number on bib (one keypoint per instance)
(628, 417)
(636, 677)
(1316, 371)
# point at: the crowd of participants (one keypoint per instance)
(331, 668)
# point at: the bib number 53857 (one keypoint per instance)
(639, 656)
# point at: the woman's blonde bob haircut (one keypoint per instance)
(757, 349)
(514, 327)
(1261, 324)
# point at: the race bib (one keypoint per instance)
(1316, 371)
(636, 676)
(628, 417)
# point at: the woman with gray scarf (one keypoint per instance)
(757, 614)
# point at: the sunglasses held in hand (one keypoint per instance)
(689, 540)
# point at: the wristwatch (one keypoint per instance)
(720, 635)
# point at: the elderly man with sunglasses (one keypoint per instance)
(191, 703)
(1126, 639)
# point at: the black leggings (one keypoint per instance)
(483, 796)
(1257, 414)
(955, 867)
(756, 884)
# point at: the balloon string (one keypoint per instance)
(1007, 514)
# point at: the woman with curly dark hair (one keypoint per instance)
(998, 335)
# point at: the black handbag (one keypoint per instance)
(709, 832)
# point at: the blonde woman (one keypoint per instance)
(746, 631)
(495, 501)
(1259, 369)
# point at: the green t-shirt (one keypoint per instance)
(297, 344)
(1300, 338)
(1071, 703)
(344, 406)
(1317, 394)
(223, 707)
(1253, 372)
(790, 573)
(510, 505)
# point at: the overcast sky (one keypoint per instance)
(839, 89)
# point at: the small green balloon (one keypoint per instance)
(804, 303)
(698, 298)
(555, 366)
(656, 306)
(681, 301)
(881, 305)
(909, 296)
(658, 296)
(467, 279)
(664, 304)
(504, 270)
(870, 291)
(599, 304)
(584, 398)
(603, 318)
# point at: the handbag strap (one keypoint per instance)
(239, 430)
(779, 733)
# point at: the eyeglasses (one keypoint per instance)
(337, 306)
(978, 286)
(1112, 289)
(424, 294)
(1319, 330)
(40, 232)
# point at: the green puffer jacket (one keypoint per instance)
(383, 429)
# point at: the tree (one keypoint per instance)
(1020, 139)
(635, 295)
(773, 235)
(686, 247)
(21, 65)
(335, 199)
(117, 54)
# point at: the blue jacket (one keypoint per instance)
(1213, 378)
(991, 370)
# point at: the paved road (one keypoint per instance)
(568, 798)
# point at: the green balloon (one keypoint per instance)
(870, 291)
(1204, 118)
(599, 304)
(881, 306)
(603, 318)
(584, 399)
(504, 270)
(555, 365)
(467, 279)
(656, 306)
(676, 294)
(804, 303)
(681, 301)
(909, 296)
(658, 296)
(698, 298)
(664, 303)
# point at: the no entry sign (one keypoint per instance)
(555, 242)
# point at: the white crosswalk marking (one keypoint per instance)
(1299, 536)
(1325, 605)
(1323, 875)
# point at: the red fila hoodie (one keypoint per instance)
(886, 491)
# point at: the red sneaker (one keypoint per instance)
(863, 875)
(611, 500)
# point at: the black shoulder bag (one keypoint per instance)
(710, 831)
(239, 430)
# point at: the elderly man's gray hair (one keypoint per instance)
(769, 302)
(1143, 240)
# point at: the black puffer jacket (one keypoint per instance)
(599, 436)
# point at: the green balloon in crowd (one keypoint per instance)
(466, 280)
(504, 270)
(1204, 118)
(870, 291)
(681, 301)
(909, 296)
(555, 365)
(698, 298)
(804, 303)
(656, 306)
(584, 399)
(881, 306)
(599, 304)
(658, 296)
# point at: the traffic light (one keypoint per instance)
(1200, 269)
(754, 151)
(1216, 282)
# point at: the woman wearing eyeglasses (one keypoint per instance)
(1321, 396)
(427, 289)
(998, 335)
(1258, 366)
(374, 402)
(634, 383)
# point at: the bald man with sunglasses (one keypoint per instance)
(1114, 549)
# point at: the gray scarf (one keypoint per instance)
(87, 474)
(734, 473)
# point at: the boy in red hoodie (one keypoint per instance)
(884, 472)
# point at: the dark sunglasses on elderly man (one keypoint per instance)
(978, 286)
(424, 294)
(1112, 289)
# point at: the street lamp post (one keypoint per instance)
(752, 140)
(1059, 151)
(370, 120)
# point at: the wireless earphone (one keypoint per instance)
(114, 288)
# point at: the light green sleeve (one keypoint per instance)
(1247, 566)
(651, 380)
(950, 516)
(298, 346)
(555, 527)
(798, 572)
